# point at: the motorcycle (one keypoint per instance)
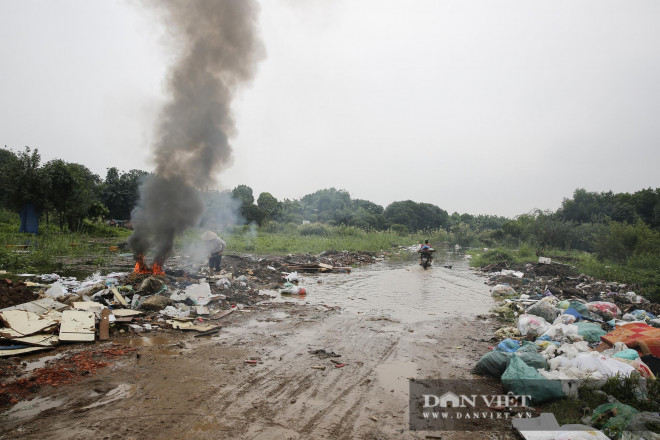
(426, 257)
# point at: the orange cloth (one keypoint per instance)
(642, 337)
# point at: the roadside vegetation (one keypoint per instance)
(49, 250)
(315, 238)
(605, 235)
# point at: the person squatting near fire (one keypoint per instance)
(215, 246)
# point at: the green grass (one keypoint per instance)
(50, 249)
(625, 389)
(317, 238)
(571, 411)
(639, 272)
(509, 257)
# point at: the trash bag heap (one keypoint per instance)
(567, 331)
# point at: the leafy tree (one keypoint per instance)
(121, 191)
(366, 205)
(647, 202)
(622, 241)
(416, 216)
(72, 191)
(22, 180)
(548, 230)
(97, 211)
(252, 214)
(323, 205)
(291, 211)
(244, 194)
(583, 207)
(401, 213)
(8, 161)
(268, 205)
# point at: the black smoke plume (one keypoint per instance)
(218, 48)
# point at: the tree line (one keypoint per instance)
(65, 193)
(68, 193)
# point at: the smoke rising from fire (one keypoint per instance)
(218, 48)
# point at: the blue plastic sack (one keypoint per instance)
(508, 345)
(573, 312)
(642, 315)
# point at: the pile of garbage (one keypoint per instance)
(49, 309)
(572, 331)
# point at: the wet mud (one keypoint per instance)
(388, 322)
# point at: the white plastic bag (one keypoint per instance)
(293, 276)
(564, 319)
(57, 290)
(596, 362)
(532, 325)
(562, 332)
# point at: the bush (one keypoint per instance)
(318, 229)
(399, 229)
(494, 256)
(101, 230)
(622, 241)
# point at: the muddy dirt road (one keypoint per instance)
(394, 322)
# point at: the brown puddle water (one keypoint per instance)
(122, 391)
(30, 408)
(402, 290)
(149, 341)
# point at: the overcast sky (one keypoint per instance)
(484, 107)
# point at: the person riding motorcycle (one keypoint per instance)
(425, 249)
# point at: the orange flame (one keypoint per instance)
(142, 267)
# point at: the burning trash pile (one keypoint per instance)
(65, 309)
(570, 332)
(43, 310)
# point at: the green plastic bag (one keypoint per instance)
(523, 380)
(613, 418)
(589, 331)
(494, 363)
(581, 308)
(629, 354)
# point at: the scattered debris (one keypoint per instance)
(323, 354)
(77, 326)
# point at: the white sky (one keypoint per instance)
(485, 107)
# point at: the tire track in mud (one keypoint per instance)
(351, 415)
(281, 396)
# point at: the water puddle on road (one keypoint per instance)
(41, 362)
(122, 391)
(149, 341)
(30, 408)
(402, 290)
